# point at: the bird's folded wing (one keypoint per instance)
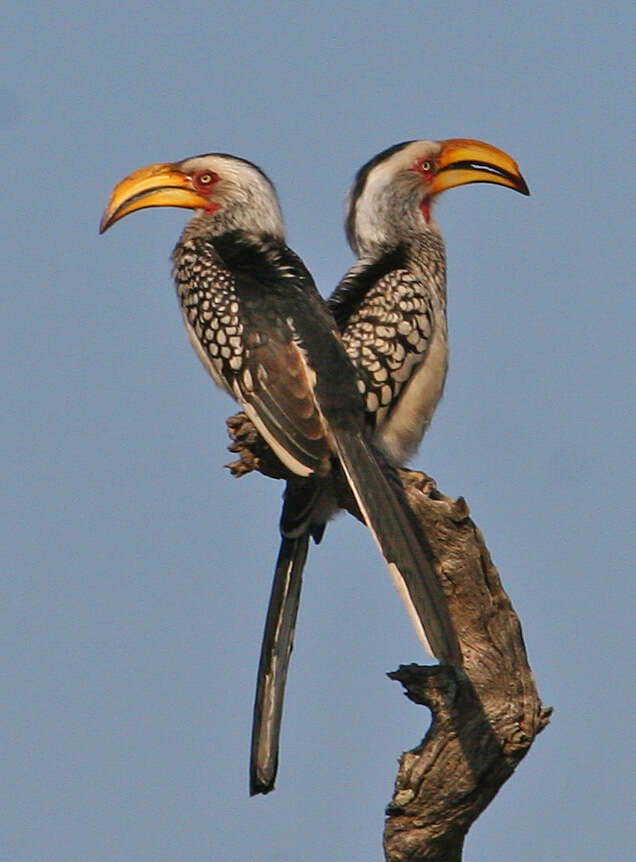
(277, 394)
(388, 336)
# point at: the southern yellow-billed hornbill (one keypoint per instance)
(391, 309)
(259, 326)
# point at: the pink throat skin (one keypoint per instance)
(425, 168)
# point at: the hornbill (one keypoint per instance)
(261, 329)
(391, 309)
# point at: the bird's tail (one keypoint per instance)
(384, 507)
(278, 640)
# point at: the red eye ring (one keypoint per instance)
(425, 167)
(204, 180)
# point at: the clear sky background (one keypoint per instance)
(136, 571)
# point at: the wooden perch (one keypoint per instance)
(486, 714)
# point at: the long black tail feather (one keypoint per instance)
(278, 641)
(387, 514)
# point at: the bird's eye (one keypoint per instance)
(426, 166)
(205, 179)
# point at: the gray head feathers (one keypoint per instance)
(383, 206)
(246, 196)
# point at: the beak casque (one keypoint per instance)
(162, 185)
(463, 161)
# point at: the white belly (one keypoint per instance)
(402, 431)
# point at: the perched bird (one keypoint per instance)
(391, 309)
(258, 324)
(391, 304)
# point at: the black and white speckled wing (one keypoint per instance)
(211, 311)
(392, 314)
(253, 353)
(388, 335)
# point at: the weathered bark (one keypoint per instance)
(486, 714)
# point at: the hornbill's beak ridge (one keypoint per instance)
(162, 185)
(463, 161)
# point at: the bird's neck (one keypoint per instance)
(262, 257)
(422, 256)
(427, 259)
(233, 221)
(406, 229)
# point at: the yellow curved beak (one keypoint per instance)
(162, 185)
(463, 161)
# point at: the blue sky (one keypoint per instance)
(136, 571)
